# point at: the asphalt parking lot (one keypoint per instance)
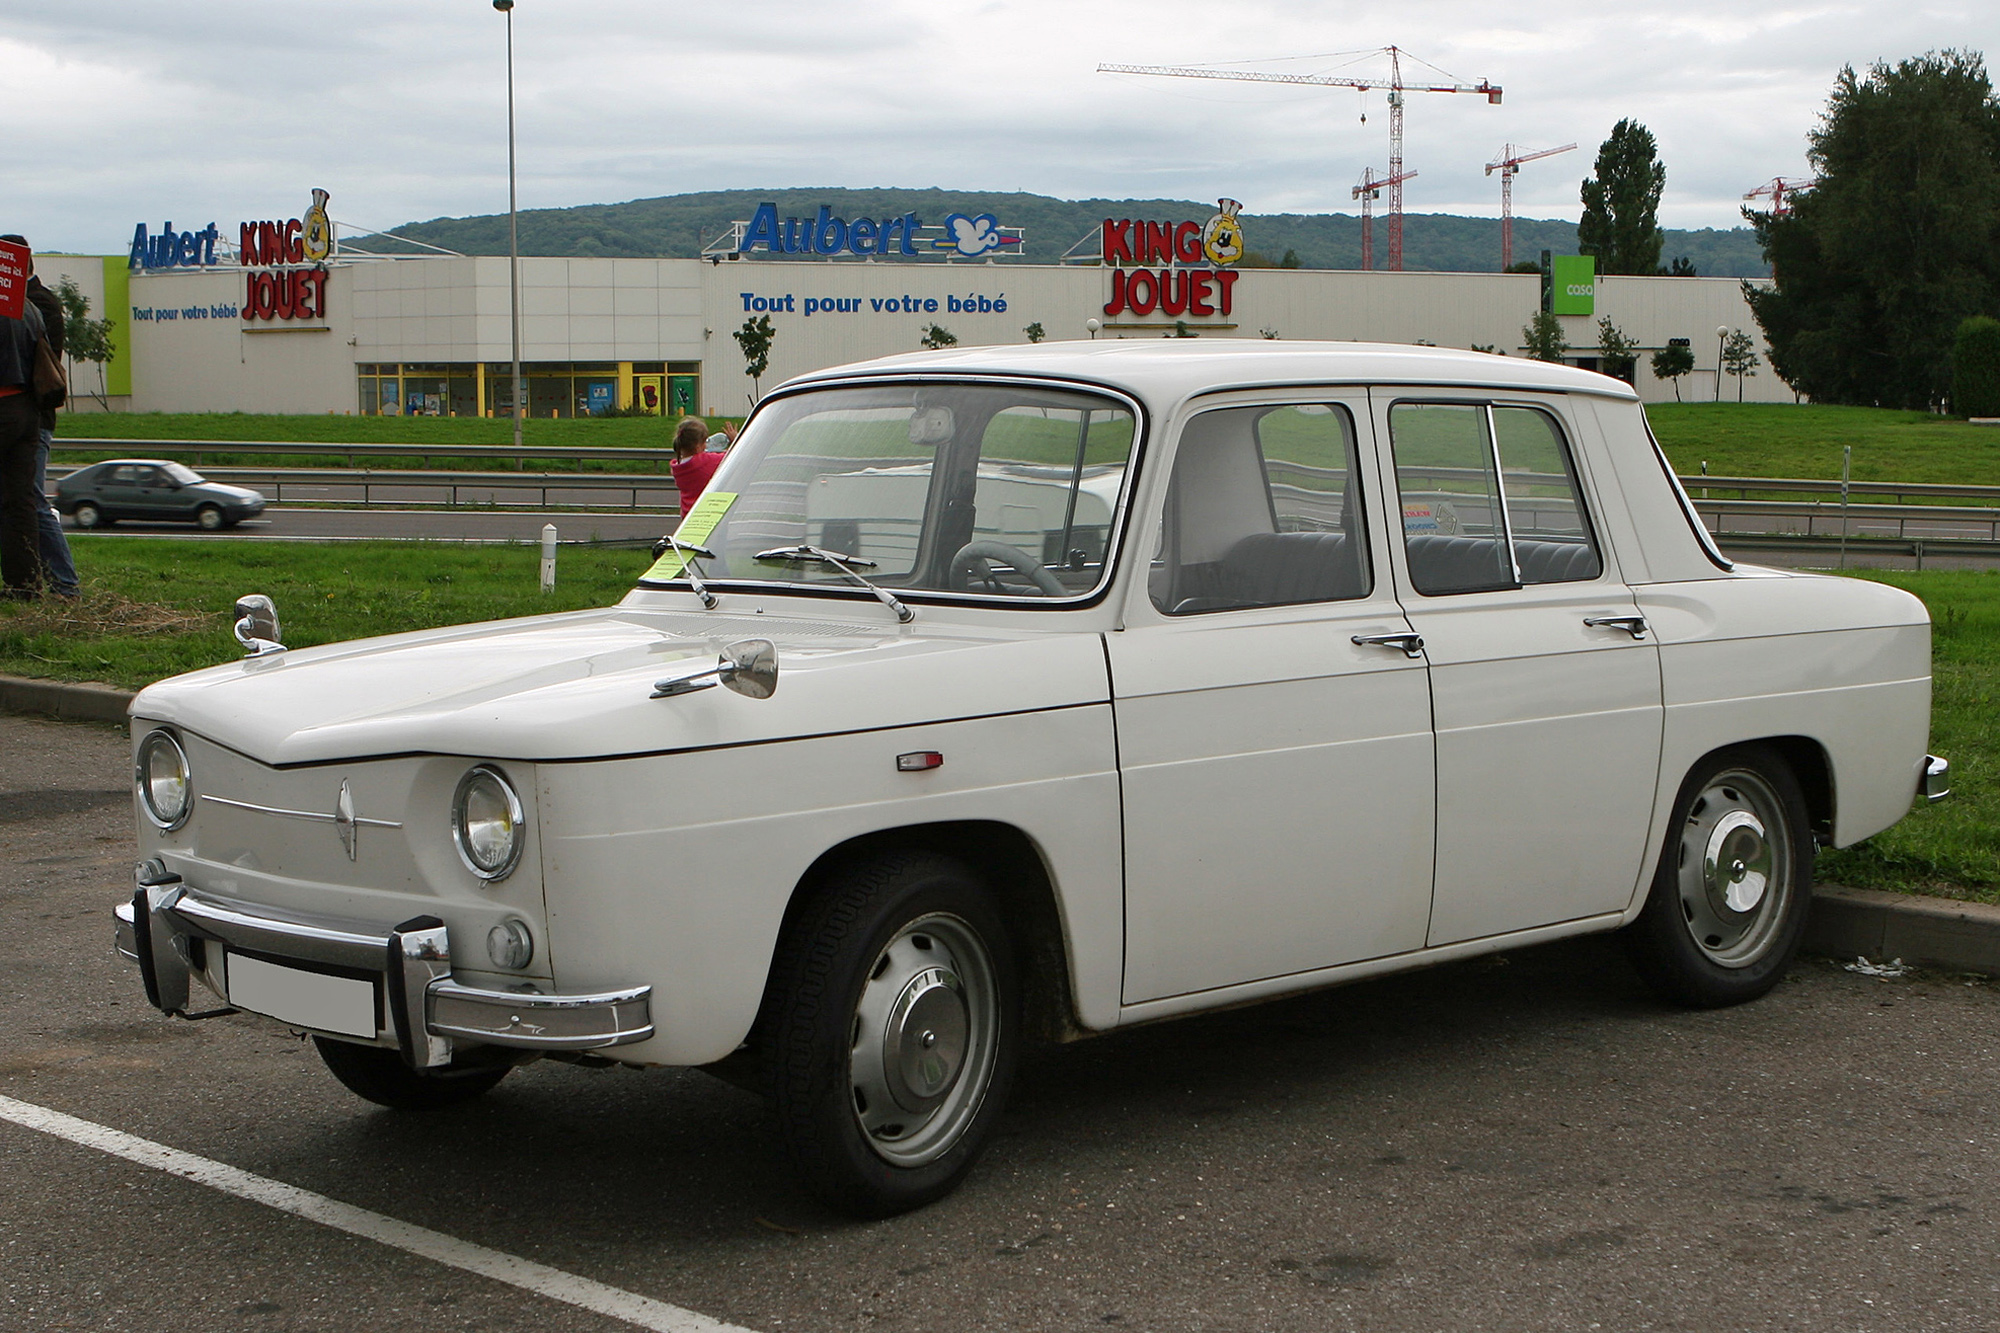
(1524, 1142)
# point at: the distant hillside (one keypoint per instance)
(676, 226)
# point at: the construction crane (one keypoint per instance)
(1396, 87)
(1369, 190)
(1778, 188)
(1510, 162)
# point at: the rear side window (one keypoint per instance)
(1489, 499)
(1264, 509)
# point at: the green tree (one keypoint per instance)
(1621, 203)
(1739, 358)
(1875, 267)
(1291, 260)
(1616, 353)
(1035, 332)
(755, 338)
(936, 336)
(84, 338)
(1682, 267)
(1543, 337)
(1975, 368)
(1673, 361)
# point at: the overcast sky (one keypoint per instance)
(117, 112)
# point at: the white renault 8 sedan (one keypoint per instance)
(1034, 692)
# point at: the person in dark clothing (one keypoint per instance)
(50, 543)
(20, 435)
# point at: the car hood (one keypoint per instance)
(576, 686)
(241, 494)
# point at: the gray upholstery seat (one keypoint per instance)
(1441, 565)
(1281, 568)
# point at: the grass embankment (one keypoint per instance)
(156, 608)
(1783, 440)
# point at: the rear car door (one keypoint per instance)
(1545, 684)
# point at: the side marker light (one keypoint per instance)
(919, 761)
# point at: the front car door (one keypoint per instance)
(1277, 774)
(1545, 683)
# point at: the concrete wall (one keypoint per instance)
(192, 351)
(91, 385)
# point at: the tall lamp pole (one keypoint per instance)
(514, 225)
(1721, 333)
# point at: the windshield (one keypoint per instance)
(993, 490)
(183, 474)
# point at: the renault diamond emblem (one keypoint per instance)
(343, 818)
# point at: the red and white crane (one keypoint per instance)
(1393, 182)
(1368, 191)
(1509, 163)
(1778, 188)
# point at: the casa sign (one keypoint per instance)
(1173, 268)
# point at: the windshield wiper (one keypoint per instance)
(688, 551)
(845, 564)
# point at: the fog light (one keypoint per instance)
(510, 945)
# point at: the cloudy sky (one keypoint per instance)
(117, 112)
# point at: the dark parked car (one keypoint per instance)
(154, 491)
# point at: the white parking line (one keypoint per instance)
(642, 1311)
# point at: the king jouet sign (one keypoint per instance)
(1173, 268)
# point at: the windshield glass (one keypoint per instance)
(992, 490)
(183, 474)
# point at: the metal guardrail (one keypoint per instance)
(197, 450)
(1701, 487)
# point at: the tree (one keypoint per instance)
(1543, 337)
(1290, 260)
(1673, 361)
(1739, 358)
(1621, 203)
(1035, 332)
(84, 338)
(936, 336)
(1615, 351)
(1682, 267)
(755, 338)
(1876, 266)
(1975, 368)
(1525, 266)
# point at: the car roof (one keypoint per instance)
(1167, 369)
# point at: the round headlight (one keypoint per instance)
(486, 823)
(161, 775)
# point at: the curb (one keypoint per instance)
(64, 700)
(1940, 933)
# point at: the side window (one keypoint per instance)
(1264, 509)
(1471, 527)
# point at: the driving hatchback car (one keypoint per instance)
(1013, 693)
(152, 491)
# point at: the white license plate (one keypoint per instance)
(308, 999)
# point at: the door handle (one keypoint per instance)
(1411, 645)
(1633, 625)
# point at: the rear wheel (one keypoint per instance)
(889, 1033)
(1729, 901)
(87, 516)
(379, 1075)
(209, 517)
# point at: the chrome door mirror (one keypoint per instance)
(749, 667)
(257, 625)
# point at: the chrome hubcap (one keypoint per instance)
(924, 1038)
(1736, 872)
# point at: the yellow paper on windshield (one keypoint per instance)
(695, 528)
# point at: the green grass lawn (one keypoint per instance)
(1783, 440)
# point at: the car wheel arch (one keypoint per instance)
(1013, 870)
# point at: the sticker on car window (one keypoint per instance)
(695, 528)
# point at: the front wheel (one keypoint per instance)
(209, 518)
(379, 1075)
(87, 516)
(1729, 901)
(889, 1033)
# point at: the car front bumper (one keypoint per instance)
(177, 936)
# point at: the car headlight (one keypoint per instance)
(161, 775)
(486, 823)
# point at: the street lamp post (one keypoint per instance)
(514, 227)
(1721, 333)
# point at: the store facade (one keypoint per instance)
(349, 333)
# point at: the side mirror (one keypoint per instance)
(749, 667)
(257, 625)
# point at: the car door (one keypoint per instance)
(1276, 767)
(1545, 684)
(119, 491)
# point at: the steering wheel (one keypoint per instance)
(964, 566)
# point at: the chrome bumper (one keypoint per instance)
(1935, 784)
(167, 929)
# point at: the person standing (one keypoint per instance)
(50, 543)
(693, 465)
(20, 434)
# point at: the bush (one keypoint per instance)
(1975, 368)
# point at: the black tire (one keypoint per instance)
(210, 518)
(1729, 901)
(889, 1033)
(87, 516)
(379, 1075)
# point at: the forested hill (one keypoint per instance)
(676, 226)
